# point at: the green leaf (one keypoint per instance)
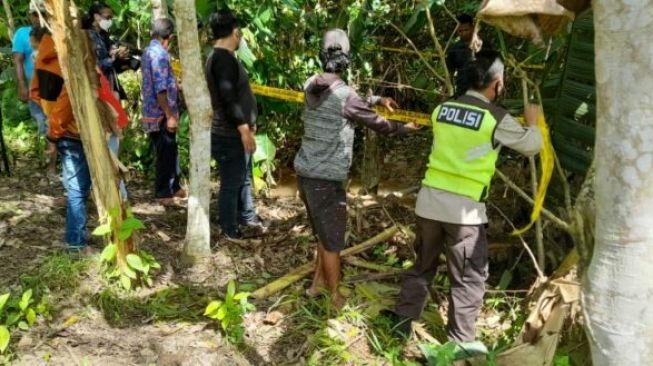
(505, 280)
(30, 316)
(109, 253)
(125, 234)
(4, 338)
(127, 271)
(125, 282)
(12, 319)
(221, 314)
(231, 289)
(241, 295)
(25, 299)
(102, 230)
(132, 223)
(22, 325)
(224, 323)
(135, 262)
(212, 307)
(3, 300)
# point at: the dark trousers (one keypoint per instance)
(467, 264)
(168, 171)
(235, 202)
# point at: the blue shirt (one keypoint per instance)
(20, 44)
(157, 78)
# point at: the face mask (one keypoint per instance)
(105, 24)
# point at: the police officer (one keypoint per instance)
(468, 133)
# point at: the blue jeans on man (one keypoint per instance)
(235, 202)
(77, 182)
(36, 112)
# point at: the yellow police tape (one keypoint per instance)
(298, 97)
(547, 157)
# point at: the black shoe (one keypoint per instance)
(233, 235)
(402, 326)
(257, 224)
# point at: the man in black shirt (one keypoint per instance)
(460, 54)
(233, 127)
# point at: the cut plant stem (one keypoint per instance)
(306, 269)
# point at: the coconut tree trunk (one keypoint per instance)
(10, 18)
(199, 106)
(618, 288)
(73, 50)
(159, 9)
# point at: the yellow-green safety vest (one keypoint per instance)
(463, 156)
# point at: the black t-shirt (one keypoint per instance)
(232, 99)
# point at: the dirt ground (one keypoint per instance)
(91, 325)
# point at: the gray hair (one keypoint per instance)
(163, 28)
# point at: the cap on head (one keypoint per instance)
(336, 37)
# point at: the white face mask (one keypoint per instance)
(105, 24)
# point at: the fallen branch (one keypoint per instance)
(306, 269)
(549, 215)
(366, 277)
(357, 262)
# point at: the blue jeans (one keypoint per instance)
(235, 202)
(114, 146)
(41, 120)
(77, 182)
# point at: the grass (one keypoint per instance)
(58, 273)
(175, 303)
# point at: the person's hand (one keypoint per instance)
(23, 93)
(531, 114)
(123, 53)
(171, 124)
(389, 104)
(249, 141)
(412, 127)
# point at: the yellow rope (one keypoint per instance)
(546, 167)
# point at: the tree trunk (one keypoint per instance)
(370, 172)
(159, 9)
(10, 18)
(618, 288)
(198, 234)
(73, 50)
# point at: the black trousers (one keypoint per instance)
(168, 171)
(467, 265)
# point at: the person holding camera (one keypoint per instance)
(109, 57)
(468, 133)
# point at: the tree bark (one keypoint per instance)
(371, 169)
(618, 288)
(198, 238)
(73, 50)
(10, 18)
(159, 9)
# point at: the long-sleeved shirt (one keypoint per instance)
(439, 205)
(332, 109)
(232, 98)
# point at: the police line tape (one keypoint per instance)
(298, 97)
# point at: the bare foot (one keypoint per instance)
(337, 300)
(315, 289)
